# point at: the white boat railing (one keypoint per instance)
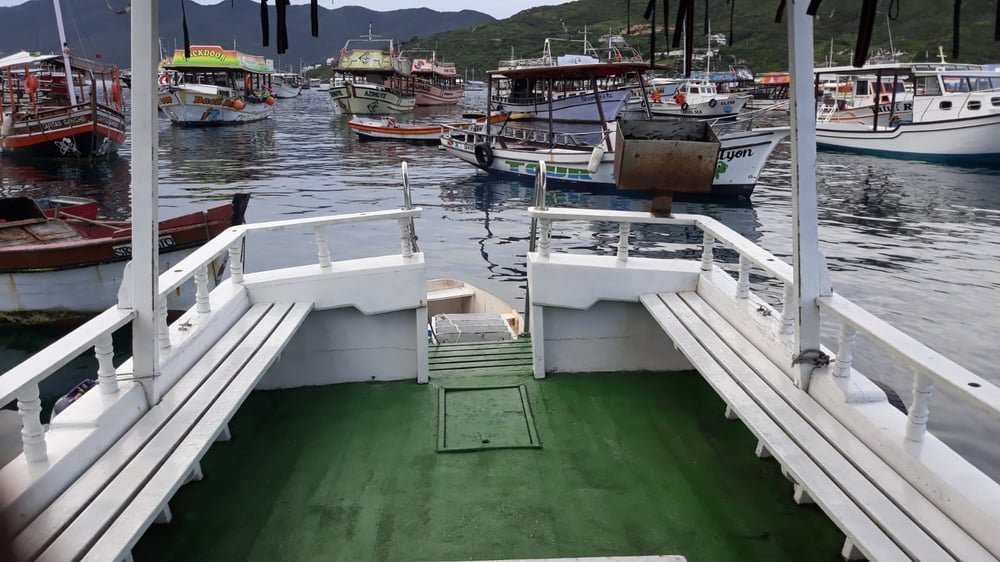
(22, 382)
(582, 139)
(930, 367)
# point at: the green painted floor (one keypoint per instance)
(630, 464)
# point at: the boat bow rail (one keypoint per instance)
(907, 483)
(53, 459)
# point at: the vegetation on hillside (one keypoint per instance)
(921, 26)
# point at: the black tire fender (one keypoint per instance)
(684, 106)
(712, 102)
(484, 155)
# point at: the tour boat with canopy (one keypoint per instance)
(377, 80)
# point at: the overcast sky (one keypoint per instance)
(498, 9)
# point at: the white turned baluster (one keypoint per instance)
(623, 230)
(162, 330)
(743, 283)
(201, 299)
(404, 238)
(845, 351)
(545, 237)
(707, 252)
(322, 247)
(104, 350)
(236, 263)
(29, 406)
(920, 408)
(788, 310)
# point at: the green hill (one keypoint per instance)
(921, 26)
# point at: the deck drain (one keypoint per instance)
(478, 418)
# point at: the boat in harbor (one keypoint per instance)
(698, 99)
(285, 85)
(215, 86)
(852, 98)
(952, 114)
(562, 88)
(60, 107)
(434, 82)
(387, 128)
(377, 81)
(585, 159)
(60, 261)
(670, 406)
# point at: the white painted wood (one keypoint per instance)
(845, 352)
(322, 246)
(104, 351)
(139, 513)
(224, 435)
(947, 374)
(196, 475)
(788, 309)
(606, 215)
(841, 509)
(851, 552)
(162, 329)
(202, 300)
(56, 355)
(544, 237)
(864, 456)
(707, 252)
(919, 410)
(801, 496)
(730, 413)
(743, 281)
(423, 367)
(760, 257)
(623, 230)
(537, 339)
(164, 516)
(236, 262)
(58, 514)
(145, 193)
(761, 451)
(29, 406)
(405, 245)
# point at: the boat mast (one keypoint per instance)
(65, 53)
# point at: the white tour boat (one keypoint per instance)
(286, 84)
(378, 81)
(215, 86)
(696, 98)
(434, 82)
(953, 114)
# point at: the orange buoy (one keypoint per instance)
(269, 100)
(656, 96)
(238, 105)
(31, 84)
(679, 99)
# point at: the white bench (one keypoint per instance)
(105, 512)
(883, 516)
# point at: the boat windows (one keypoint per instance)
(861, 88)
(944, 105)
(928, 86)
(955, 84)
(973, 105)
(995, 102)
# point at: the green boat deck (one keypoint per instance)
(621, 464)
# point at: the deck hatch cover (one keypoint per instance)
(490, 417)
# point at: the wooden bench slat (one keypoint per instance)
(868, 497)
(91, 523)
(126, 530)
(42, 530)
(924, 513)
(855, 524)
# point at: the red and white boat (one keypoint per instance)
(388, 128)
(60, 261)
(59, 106)
(434, 82)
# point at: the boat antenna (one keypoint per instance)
(65, 53)
(369, 30)
(892, 50)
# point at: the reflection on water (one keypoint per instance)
(916, 243)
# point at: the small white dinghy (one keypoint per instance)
(460, 312)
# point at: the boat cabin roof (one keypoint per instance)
(913, 68)
(572, 72)
(213, 57)
(24, 57)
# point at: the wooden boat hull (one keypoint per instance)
(198, 106)
(431, 94)
(967, 140)
(370, 99)
(383, 129)
(79, 132)
(82, 275)
(741, 158)
(455, 297)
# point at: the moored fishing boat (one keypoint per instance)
(56, 106)
(377, 80)
(61, 262)
(286, 85)
(952, 114)
(434, 82)
(699, 99)
(616, 429)
(387, 128)
(215, 86)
